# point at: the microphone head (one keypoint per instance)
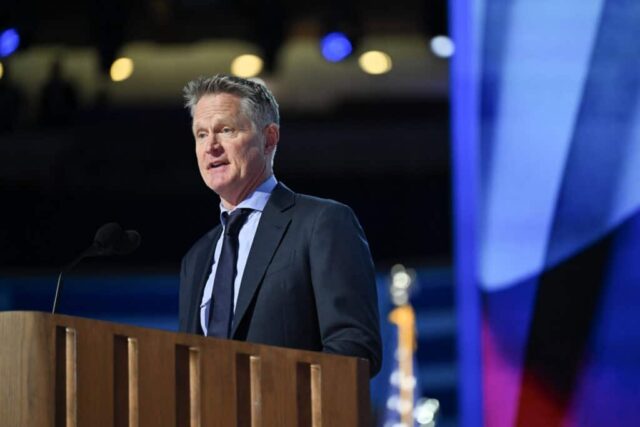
(107, 238)
(128, 243)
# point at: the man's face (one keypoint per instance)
(234, 157)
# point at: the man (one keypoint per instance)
(282, 269)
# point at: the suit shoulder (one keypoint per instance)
(317, 210)
(319, 203)
(307, 204)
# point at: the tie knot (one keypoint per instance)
(235, 220)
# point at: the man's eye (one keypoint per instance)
(201, 135)
(227, 130)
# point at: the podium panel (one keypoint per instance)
(58, 370)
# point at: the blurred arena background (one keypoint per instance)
(491, 145)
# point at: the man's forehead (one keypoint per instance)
(219, 106)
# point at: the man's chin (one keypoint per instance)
(216, 185)
(219, 189)
(216, 181)
(224, 190)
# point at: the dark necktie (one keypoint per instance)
(221, 306)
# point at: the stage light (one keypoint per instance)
(9, 42)
(375, 62)
(121, 69)
(246, 66)
(335, 46)
(442, 46)
(425, 411)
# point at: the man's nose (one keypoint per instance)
(213, 144)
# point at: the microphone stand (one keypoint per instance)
(91, 251)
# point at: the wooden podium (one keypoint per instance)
(60, 371)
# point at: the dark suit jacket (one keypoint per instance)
(308, 284)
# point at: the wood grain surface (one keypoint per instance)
(107, 374)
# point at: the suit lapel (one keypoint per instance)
(272, 227)
(202, 269)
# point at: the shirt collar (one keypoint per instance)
(256, 200)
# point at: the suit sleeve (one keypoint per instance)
(344, 286)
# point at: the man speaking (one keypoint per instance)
(282, 268)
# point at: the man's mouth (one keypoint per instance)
(216, 164)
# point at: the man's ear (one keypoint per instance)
(272, 136)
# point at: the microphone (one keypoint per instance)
(128, 243)
(110, 239)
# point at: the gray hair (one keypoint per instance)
(257, 100)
